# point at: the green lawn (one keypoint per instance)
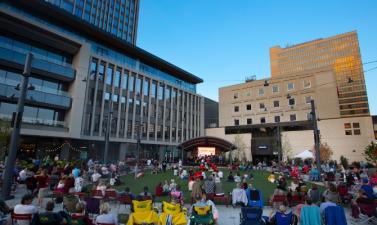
(136, 185)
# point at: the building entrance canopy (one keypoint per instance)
(207, 141)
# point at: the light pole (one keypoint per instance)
(278, 137)
(316, 136)
(17, 120)
(138, 152)
(108, 126)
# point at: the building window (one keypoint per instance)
(236, 108)
(275, 88)
(290, 86)
(262, 120)
(117, 78)
(109, 76)
(355, 127)
(235, 95)
(249, 121)
(309, 116)
(307, 84)
(291, 102)
(248, 107)
(261, 105)
(276, 104)
(277, 119)
(308, 99)
(292, 117)
(261, 91)
(236, 122)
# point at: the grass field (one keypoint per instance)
(136, 185)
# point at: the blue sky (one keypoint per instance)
(224, 41)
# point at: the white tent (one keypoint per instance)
(305, 154)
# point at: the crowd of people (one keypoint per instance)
(292, 197)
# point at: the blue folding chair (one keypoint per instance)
(284, 219)
(334, 215)
(251, 216)
(255, 198)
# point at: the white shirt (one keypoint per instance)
(239, 195)
(25, 209)
(78, 184)
(107, 218)
(220, 174)
(95, 177)
(149, 162)
(105, 171)
(23, 175)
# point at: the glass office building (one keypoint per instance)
(342, 53)
(82, 78)
(118, 17)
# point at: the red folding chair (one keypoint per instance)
(97, 194)
(125, 199)
(111, 195)
(20, 217)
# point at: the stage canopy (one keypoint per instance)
(207, 141)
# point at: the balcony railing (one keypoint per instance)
(37, 121)
(63, 72)
(36, 97)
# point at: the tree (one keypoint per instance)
(5, 134)
(241, 146)
(286, 149)
(370, 153)
(325, 152)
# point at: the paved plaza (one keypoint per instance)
(228, 215)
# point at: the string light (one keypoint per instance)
(31, 147)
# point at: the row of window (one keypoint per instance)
(277, 119)
(104, 14)
(276, 89)
(49, 55)
(352, 129)
(276, 104)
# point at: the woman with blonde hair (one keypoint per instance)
(105, 216)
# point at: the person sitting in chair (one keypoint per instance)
(49, 217)
(239, 196)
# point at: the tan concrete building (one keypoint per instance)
(274, 114)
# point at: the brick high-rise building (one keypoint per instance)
(342, 53)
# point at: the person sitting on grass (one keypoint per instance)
(127, 192)
(105, 217)
(146, 193)
(177, 195)
(49, 217)
(196, 188)
(209, 186)
(237, 178)
(172, 185)
(230, 177)
(165, 188)
(190, 183)
(159, 190)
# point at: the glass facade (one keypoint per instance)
(149, 107)
(342, 54)
(118, 17)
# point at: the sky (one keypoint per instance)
(224, 41)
